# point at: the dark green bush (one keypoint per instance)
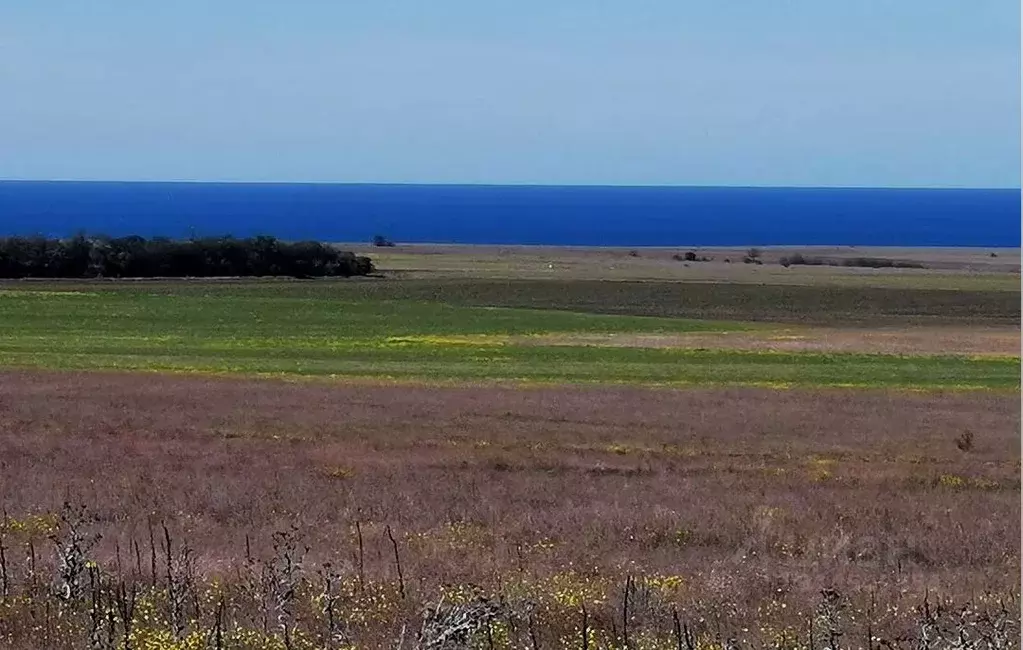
(134, 256)
(798, 259)
(881, 263)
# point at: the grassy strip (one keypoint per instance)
(830, 305)
(293, 311)
(322, 330)
(561, 365)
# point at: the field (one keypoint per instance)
(453, 457)
(967, 269)
(395, 331)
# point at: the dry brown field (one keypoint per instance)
(944, 268)
(736, 508)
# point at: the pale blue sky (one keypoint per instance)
(736, 92)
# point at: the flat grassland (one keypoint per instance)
(447, 331)
(505, 460)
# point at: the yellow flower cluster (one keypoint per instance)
(667, 586)
(30, 525)
(820, 469)
(956, 482)
(457, 535)
(339, 473)
(567, 590)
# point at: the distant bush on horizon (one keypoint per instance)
(135, 256)
(865, 262)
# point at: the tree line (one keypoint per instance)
(134, 256)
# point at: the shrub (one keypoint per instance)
(134, 256)
(965, 441)
(880, 263)
(797, 259)
(690, 256)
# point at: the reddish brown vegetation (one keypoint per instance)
(752, 496)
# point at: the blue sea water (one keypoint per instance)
(554, 215)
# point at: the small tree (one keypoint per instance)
(380, 240)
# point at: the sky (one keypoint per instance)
(892, 93)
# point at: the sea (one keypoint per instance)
(518, 214)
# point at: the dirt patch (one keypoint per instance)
(924, 341)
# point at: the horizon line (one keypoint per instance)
(511, 184)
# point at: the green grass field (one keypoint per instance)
(419, 332)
